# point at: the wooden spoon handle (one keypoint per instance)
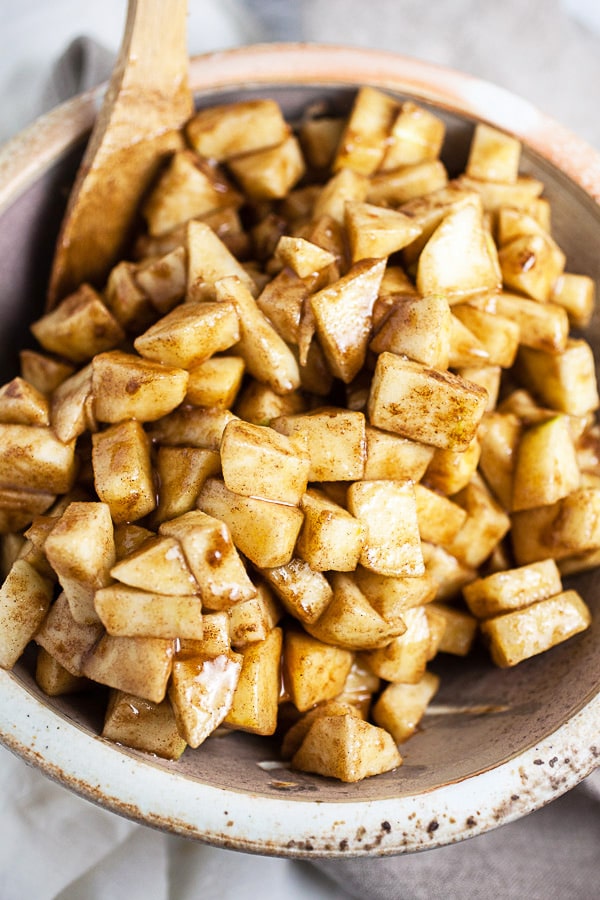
(147, 101)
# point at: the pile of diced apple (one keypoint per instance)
(326, 420)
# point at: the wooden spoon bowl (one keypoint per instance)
(147, 102)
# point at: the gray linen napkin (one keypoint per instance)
(551, 854)
(84, 64)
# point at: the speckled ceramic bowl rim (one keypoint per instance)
(148, 792)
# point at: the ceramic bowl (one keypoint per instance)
(498, 743)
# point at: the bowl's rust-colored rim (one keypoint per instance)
(31, 151)
(456, 91)
(159, 796)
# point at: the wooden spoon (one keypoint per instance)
(147, 101)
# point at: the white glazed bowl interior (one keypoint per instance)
(499, 743)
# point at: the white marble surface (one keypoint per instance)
(545, 50)
(55, 845)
